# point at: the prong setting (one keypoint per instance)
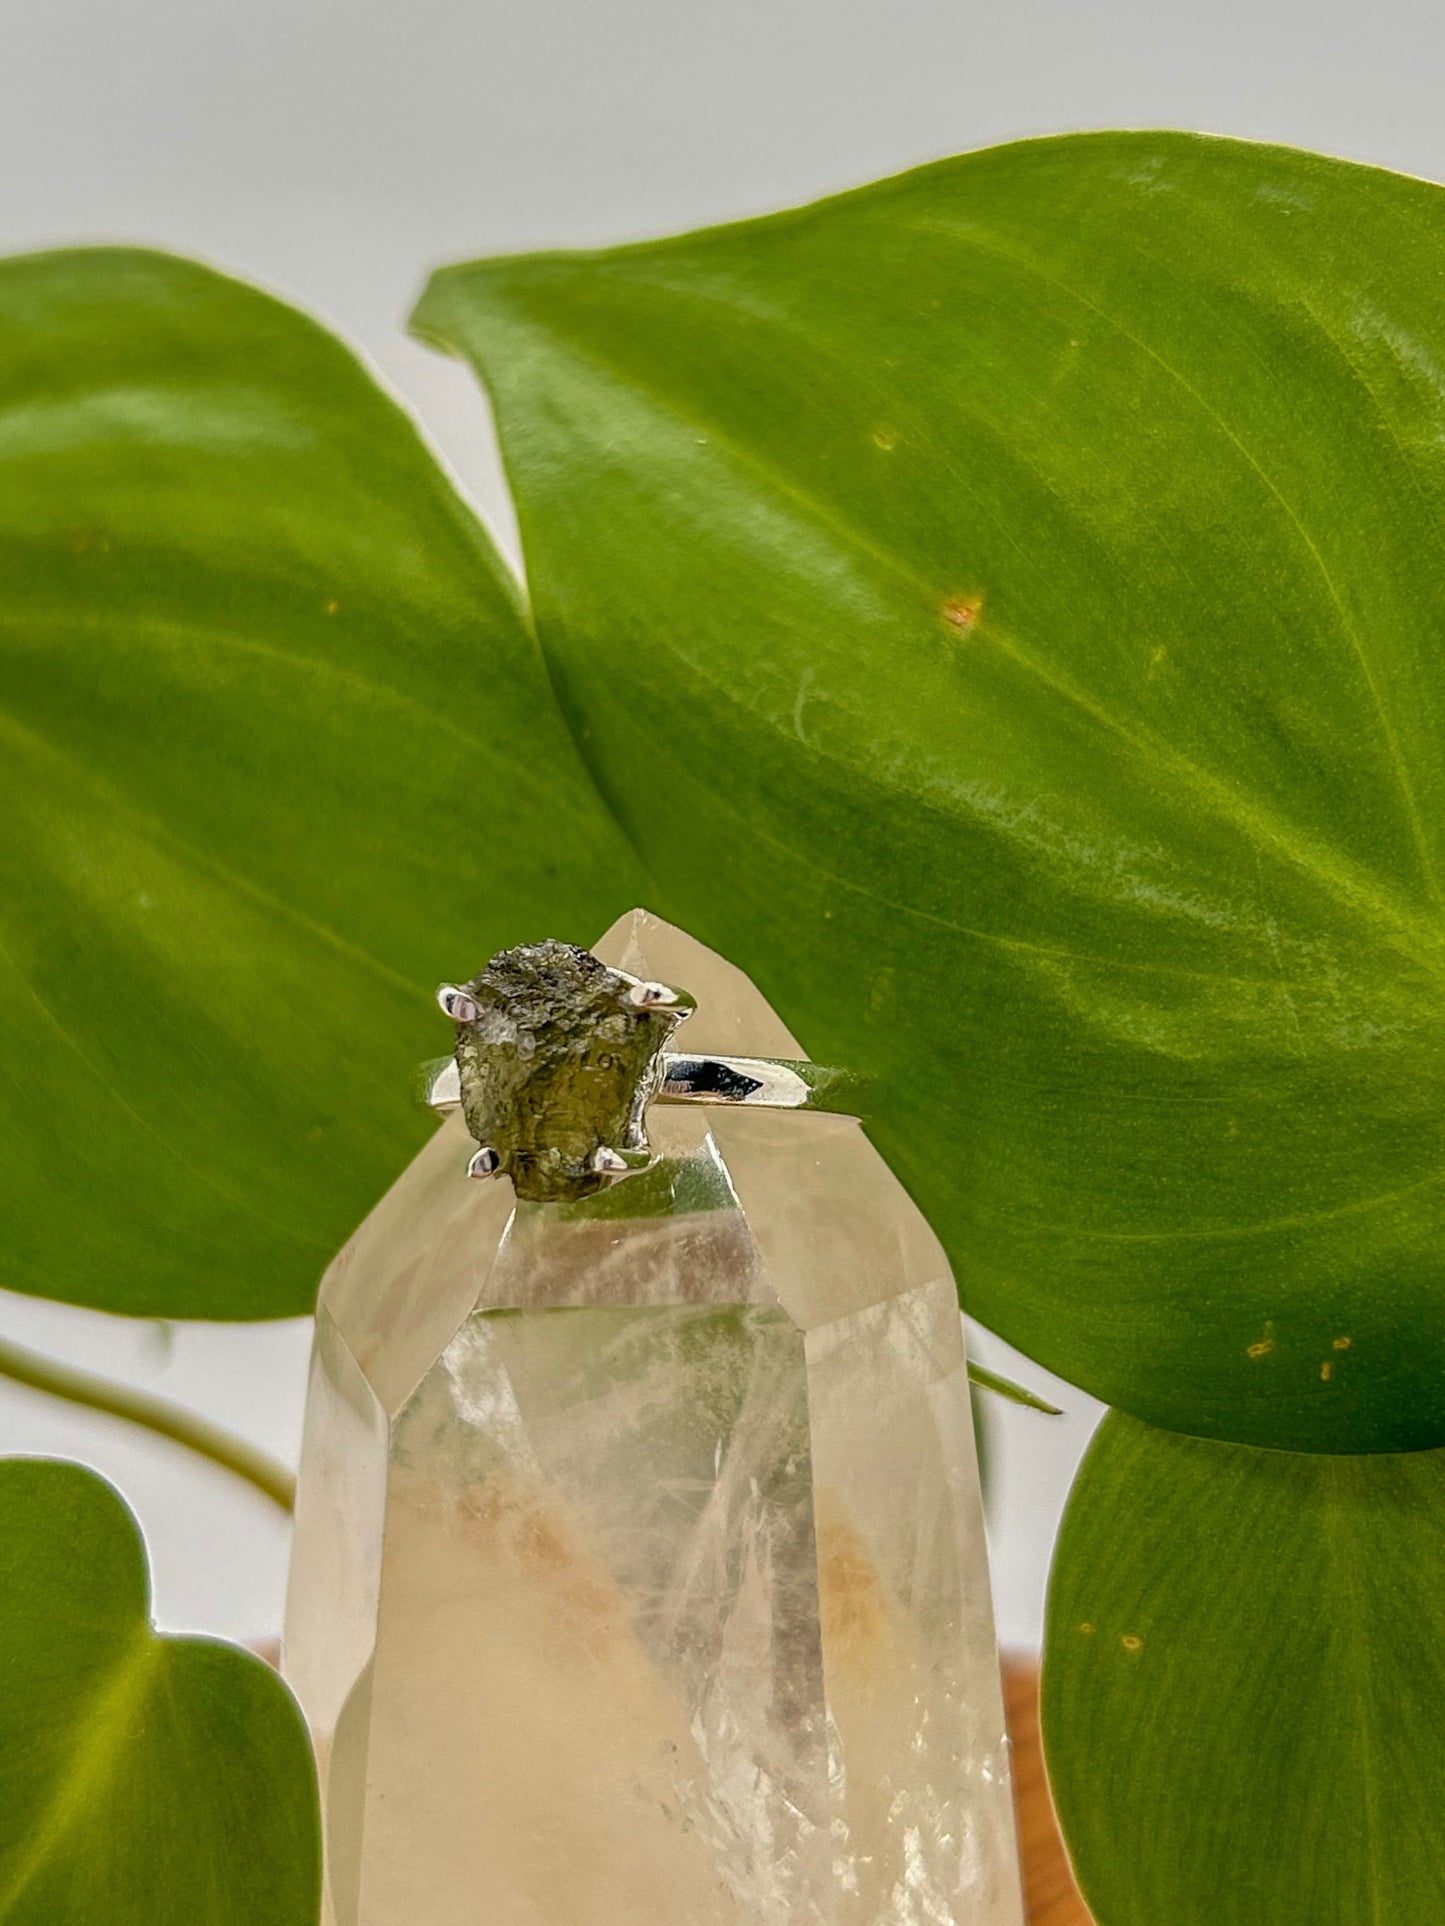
(653, 996)
(460, 1005)
(558, 1056)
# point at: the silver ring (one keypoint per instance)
(559, 1056)
(764, 1083)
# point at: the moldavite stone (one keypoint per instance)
(639, 1575)
(558, 1062)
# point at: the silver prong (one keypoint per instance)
(608, 1162)
(485, 1162)
(653, 996)
(460, 1005)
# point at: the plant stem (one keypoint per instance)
(1006, 1388)
(153, 1414)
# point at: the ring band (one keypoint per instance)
(764, 1083)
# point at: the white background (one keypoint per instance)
(332, 149)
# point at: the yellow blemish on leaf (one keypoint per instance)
(1156, 656)
(1327, 1370)
(1262, 1347)
(1130, 1643)
(885, 438)
(1087, 1630)
(1342, 1344)
(882, 989)
(332, 607)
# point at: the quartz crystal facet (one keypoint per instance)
(639, 1575)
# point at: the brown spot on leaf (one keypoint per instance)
(1262, 1346)
(961, 611)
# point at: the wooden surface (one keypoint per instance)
(1052, 1898)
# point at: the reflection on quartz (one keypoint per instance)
(640, 1571)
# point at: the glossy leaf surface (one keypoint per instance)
(279, 755)
(1244, 1684)
(144, 1781)
(1006, 606)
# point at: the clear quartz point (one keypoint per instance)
(639, 1575)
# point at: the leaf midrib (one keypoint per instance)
(382, 694)
(1270, 1226)
(1341, 1569)
(1024, 258)
(1335, 875)
(164, 840)
(103, 1727)
(998, 939)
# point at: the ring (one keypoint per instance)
(764, 1083)
(559, 1056)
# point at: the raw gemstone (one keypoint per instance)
(639, 1575)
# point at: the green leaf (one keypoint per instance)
(1244, 1684)
(279, 756)
(160, 1781)
(1006, 606)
